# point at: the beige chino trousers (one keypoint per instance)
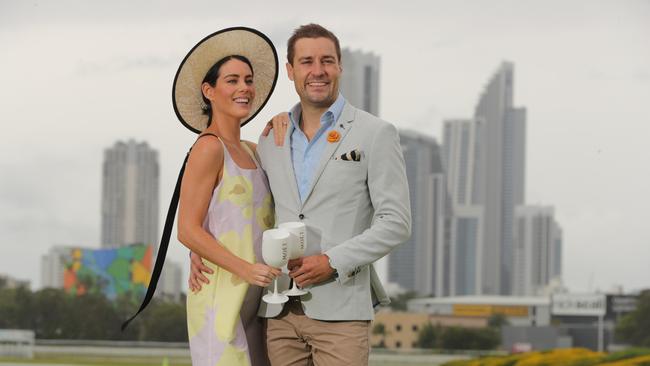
(293, 339)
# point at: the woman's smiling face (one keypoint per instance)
(234, 90)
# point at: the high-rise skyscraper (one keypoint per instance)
(130, 188)
(465, 236)
(485, 168)
(360, 79)
(130, 205)
(537, 255)
(501, 145)
(419, 264)
(129, 233)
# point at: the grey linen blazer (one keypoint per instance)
(355, 212)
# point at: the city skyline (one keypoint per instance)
(581, 72)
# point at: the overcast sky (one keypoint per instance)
(77, 76)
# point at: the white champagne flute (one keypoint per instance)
(275, 251)
(297, 245)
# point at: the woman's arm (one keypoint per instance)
(201, 175)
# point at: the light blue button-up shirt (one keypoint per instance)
(305, 154)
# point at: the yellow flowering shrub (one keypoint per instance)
(557, 357)
(562, 357)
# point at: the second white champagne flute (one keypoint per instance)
(297, 246)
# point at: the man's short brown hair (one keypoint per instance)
(311, 31)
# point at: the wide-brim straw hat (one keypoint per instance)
(250, 43)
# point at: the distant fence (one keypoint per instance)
(180, 351)
(16, 343)
(176, 352)
(112, 348)
(119, 344)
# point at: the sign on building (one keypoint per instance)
(621, 304)
(479, 310)
(579, 304)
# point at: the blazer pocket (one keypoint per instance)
(355, 155)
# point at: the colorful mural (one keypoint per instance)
(113, 272)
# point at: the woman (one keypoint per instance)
(225, 202)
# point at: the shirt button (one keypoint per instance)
(301, 216)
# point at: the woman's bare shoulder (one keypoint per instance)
(207, 150)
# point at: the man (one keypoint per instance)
(342, 174)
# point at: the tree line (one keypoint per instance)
(634, 328)
(54, 314)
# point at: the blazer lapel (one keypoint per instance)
(343, 125)
(288, 165)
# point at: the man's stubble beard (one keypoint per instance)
(325, 103)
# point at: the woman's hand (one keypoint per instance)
(279, 123)
(260, 274)
(197, 268)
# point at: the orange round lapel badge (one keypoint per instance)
(333, 136)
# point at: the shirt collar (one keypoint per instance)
(330, 116)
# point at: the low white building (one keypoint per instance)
(17, 343)
(53, 265)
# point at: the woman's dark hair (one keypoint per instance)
(211, 78)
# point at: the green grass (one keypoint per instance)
(96, 361)
(137, 361)
(116, 361)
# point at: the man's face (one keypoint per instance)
(315, 71)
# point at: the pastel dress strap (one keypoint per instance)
(251, 153)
